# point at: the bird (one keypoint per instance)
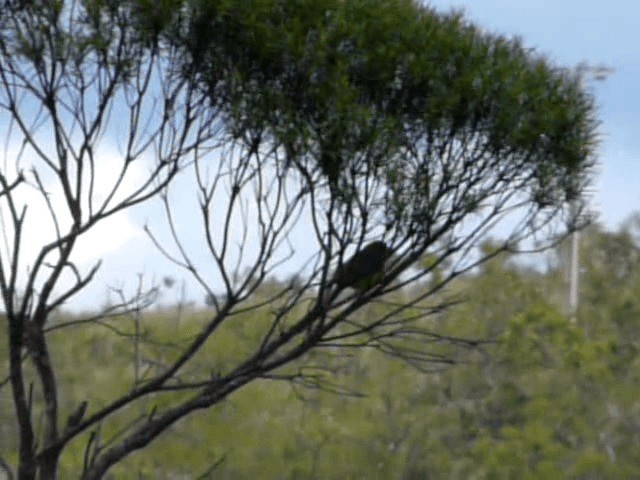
(76, 417)
(362, 271)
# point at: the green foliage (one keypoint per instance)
(550, 401)
(354, 87)
(547, 399)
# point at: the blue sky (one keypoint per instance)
(596, 32)
(567, 31)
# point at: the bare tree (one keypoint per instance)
(336, 143)
(67, 75)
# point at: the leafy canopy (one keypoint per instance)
(350, 87)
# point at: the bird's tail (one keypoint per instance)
(328, 294)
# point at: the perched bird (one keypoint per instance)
(363, 270)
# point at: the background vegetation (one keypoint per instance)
(543, 398)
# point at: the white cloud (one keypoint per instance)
(39, 228)
(106, 237)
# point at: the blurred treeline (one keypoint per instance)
(539, 397)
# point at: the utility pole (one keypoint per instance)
(574, 277)
(599, 73)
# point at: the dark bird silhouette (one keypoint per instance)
(363, 270)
